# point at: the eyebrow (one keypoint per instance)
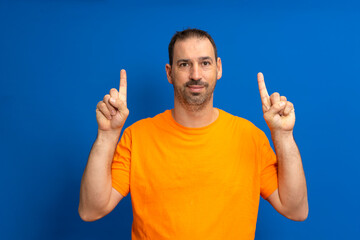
(206, 58)
(200, 58)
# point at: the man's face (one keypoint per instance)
(194, 72)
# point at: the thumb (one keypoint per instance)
(275, 109)
(117, 103)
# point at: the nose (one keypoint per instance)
(195, 73)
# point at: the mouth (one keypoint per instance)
(195, 88)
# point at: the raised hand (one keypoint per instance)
(279, 113)
(112, 111)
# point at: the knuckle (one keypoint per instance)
(99, 104)
(289, 105)
(113, 91)
(106, 97)
(103, 105)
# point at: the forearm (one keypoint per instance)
(96, 187)
(292, 183)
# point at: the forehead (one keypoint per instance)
(193, 48)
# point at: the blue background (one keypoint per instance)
(59, 58)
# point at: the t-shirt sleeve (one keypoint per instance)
(268, 174)
(120, 169)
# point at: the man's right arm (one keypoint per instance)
(97, 196)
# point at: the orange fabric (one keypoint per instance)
(194, 183)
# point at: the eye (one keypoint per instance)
(206, 63)
(184, 64)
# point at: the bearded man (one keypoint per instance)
(195, 171)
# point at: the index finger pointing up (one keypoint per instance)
(263, 92)
(123, 86)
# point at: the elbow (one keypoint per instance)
(305, 215)
(300, 216)
(87, 216)
(300, 211)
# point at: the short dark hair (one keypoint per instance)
(189, 33)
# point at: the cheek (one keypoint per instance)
(211, 75)
(180, 76)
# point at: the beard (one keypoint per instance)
(194, 101)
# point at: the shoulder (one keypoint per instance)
(148, 123)
(240, 124)
(230, 118)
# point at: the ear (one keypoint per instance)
(219, 68)
(168, 73)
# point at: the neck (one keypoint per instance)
(194, 117)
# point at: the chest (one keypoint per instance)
(218, 163)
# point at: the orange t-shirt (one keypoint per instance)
(194, 183)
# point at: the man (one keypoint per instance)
(194, 172)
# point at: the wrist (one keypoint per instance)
(109, 136)
(282, 135)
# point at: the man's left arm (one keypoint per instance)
(290, 199)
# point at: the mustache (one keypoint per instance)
(197, 83)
